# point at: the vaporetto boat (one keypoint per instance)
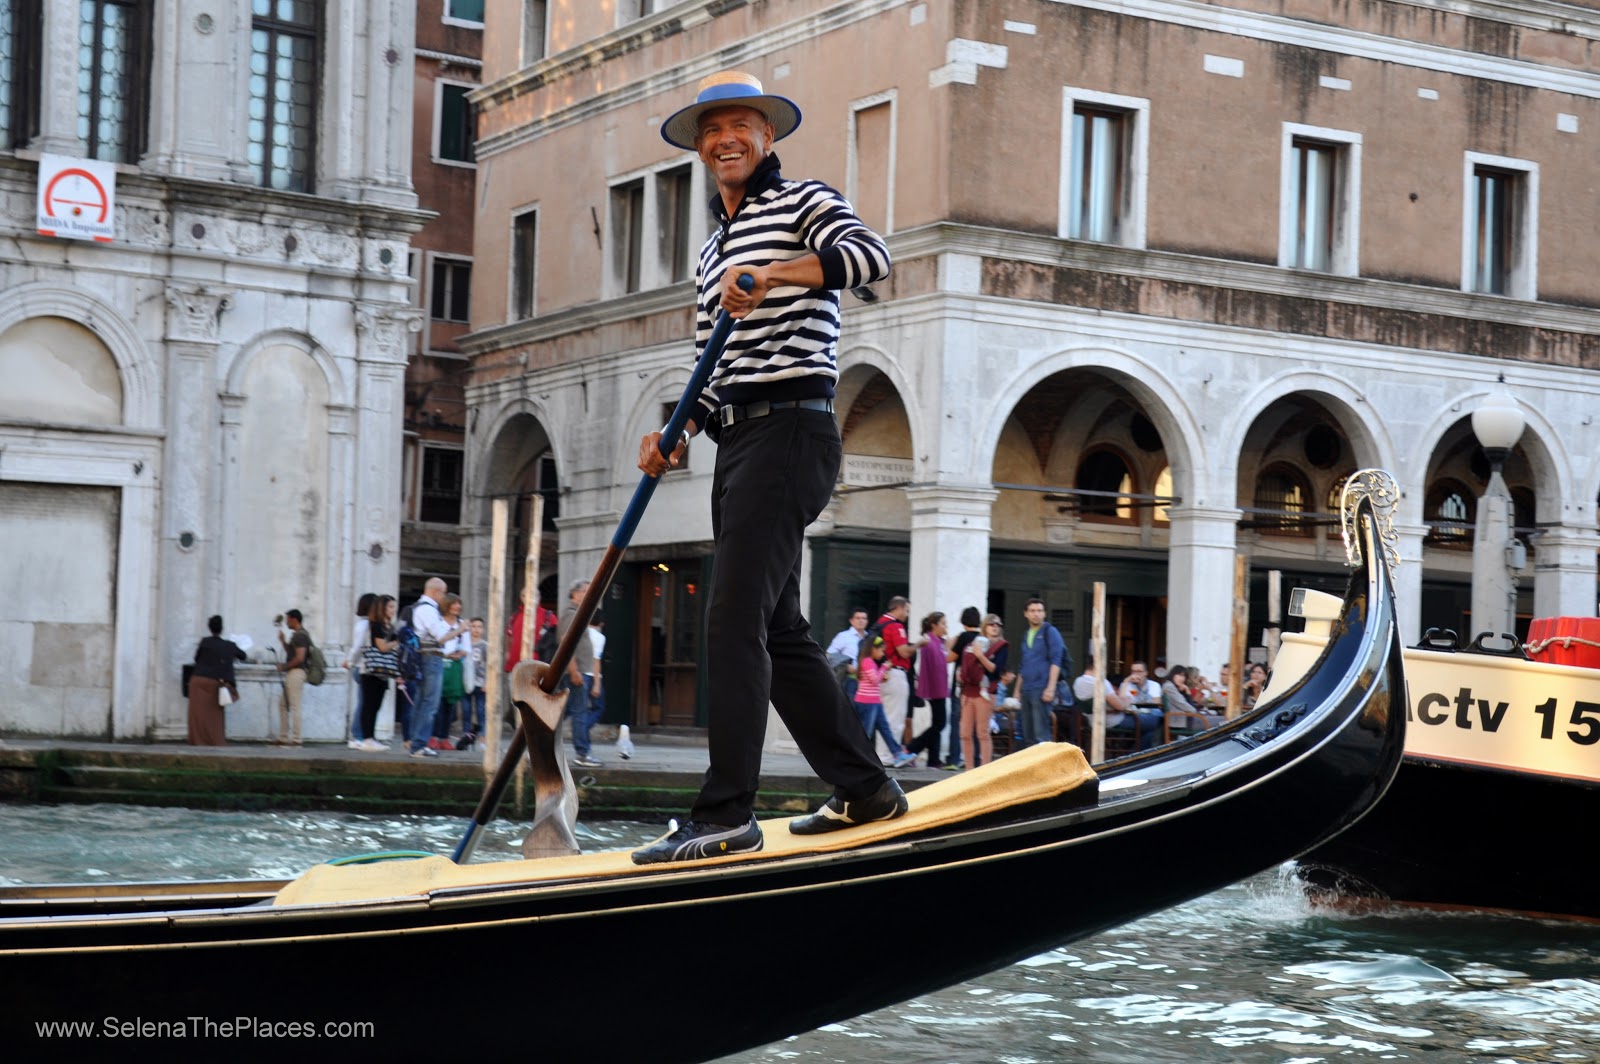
(1497, 800)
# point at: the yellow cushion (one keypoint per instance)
(1040, 772)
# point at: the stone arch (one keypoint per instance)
(238, 363)
(870, 356)
(1343, 399)
(1541, 443)
(1160, 398)
(503, 458)
(665, 385)
(136, 364)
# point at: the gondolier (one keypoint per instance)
(769, 407)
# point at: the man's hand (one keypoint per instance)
(595, 691)
(735, 300)
(1048, 694)
(651, 463)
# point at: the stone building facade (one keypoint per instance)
(446, 63)
(202, 415)
(1165, 272)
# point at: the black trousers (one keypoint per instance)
(774, 475)
(929, 739)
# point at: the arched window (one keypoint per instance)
(1336, 492)
(1105, 470)
(1450, 510)
(1164, 489)
(1284, 495)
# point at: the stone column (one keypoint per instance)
(191, 516)
(950, 525)
(58, 82)
(1408, 581)
(1564, 572)
(195, 108)
(1200, 585)
(383, 332)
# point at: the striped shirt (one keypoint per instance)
(785, 348)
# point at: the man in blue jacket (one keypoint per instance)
(1037, 674)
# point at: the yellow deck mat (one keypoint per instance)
(1038, 773)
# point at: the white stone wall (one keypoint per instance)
(253, 345)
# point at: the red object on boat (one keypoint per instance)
(1565, 641)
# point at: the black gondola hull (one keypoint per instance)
(590, 957)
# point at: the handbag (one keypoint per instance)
(225, 696)
(375, 662)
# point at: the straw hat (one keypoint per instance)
(731, 88)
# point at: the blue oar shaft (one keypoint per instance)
(579, 629)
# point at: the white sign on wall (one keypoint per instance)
(77, 198)
(871, 470)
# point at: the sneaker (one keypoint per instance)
(466, 741)
(696, 840)
(373, 745)
(906, 760)
(585, 761)
(424, 751)
(887, 803)
(355, 744)
(951, 768)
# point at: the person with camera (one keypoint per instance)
(296, 643)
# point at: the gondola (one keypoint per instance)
(590, 957)
(1495, 798)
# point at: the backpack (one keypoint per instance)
(409, 654)
(1064, 696)
(970, 672)
(544, 647)
(316, 665)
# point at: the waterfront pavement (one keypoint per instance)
(662, 776)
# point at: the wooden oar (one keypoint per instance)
(533, 683)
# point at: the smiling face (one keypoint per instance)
(732, 141)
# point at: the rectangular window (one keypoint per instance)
(451, 289)
(1313, 177)
(627, 233)
(524, 263)
(535, 16)
(442, 470)
(21, 27)
(113, 78)
(1105, 139)
(674, 191)
(1098, 173)
(869, 168)
(629, 10)
(1494, 200)
(467, 12)
(1319, 212)
(455, 132)
(1500, 227)
(284, 38)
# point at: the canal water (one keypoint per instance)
(1249, 973)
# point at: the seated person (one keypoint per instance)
(1137, 686)
(1178, 702)
(1120, 712)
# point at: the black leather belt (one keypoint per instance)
(731, 414)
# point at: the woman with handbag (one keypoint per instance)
(213, 674)
(380, 663)
(354, 661)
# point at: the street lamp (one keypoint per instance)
(1496, 553)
